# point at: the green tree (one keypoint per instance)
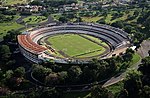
(51, 93)
(99, 92)
(74, 72)
(4, 53)
(128, 28)
(145, 92)
(63, 19)
(8, 74)
(118, 24)
(52, 79)
(62, 76)
(11, 36)
(133, 83)
(144, 69)
(123, 94)
(39, 72)
(19, 72)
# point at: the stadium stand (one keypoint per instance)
(30, 48)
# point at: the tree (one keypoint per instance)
(79, 19)
(63, 19)
(52, 79)
(145, 92)
(36, 2)
(133, 83)
(147, 23)
(62, 76)
(129, 50)
(39, 72)
(33, 94)
(8, 74)
(144, 69)
(19, 72)
(46, 14)
(74, 72)
(8, 65)
(128, 28)
(11, 36)
(136, 83)
(128, 57)
(149, 52)
(102, 21)
(88, 75)
(118, 24)
(99, 92)
(50, 93)
(4, 53)
(15, 96)
(123, 94)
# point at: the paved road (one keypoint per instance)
(20, 20)
(143, 52)
(49, 20)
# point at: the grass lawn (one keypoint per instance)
(116, 87)
(96, 40)
(91, 19)
(85, 19)
(35, 19)
(4, 27)
(56, 16)
(15, 17)
(136, 58)
(73, 45)
(108, 18)
(11, 2)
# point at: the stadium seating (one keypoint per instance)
(29, 42)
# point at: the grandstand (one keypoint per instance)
(30, 48)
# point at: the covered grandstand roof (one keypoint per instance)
(26, 42)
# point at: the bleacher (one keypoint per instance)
(29, 41)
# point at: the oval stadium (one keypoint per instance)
(72, 42)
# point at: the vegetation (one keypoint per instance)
(5, 27)
(7, 23)
(34, 19)
(15, 70)
(97, 70)
(95, 39)
(70, 44)
(136, 58)
(76, 95)
(116, 88)
(11, 2)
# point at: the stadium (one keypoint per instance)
(72, 42)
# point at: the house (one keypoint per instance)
(29, 8)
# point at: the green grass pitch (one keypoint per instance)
(74, 45)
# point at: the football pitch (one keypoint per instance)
(74, 45)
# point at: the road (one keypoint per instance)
(20, 21)
(143, 52)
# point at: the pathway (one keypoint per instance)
(143, 52)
